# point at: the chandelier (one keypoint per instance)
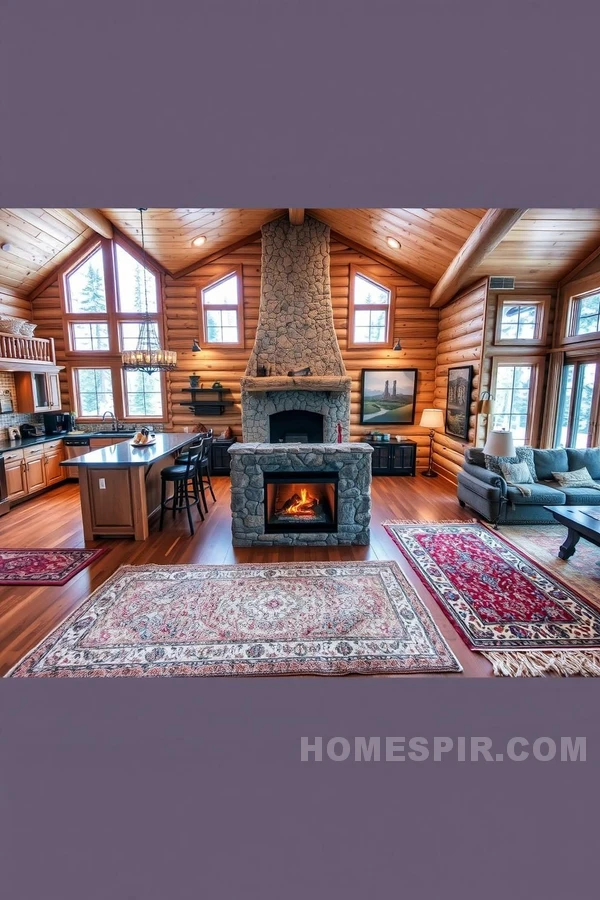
(148, 355)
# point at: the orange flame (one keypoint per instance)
(303, 506)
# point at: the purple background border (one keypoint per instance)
(177, 789)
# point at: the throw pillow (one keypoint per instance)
(578, 478)
(516, 473)
(523, 454)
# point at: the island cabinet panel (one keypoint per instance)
(110, 491)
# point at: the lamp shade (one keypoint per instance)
(432, 418)
(499, 443)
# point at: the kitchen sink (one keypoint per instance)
(116, 434)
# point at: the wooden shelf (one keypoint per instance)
(334, 383)
(206, 406)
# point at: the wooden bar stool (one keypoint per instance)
(180, 475)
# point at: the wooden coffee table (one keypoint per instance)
(580, 525)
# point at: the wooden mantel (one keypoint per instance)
(336, 383)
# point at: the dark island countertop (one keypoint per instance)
(124, 454)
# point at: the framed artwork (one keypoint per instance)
(388, 396)
(458, 401)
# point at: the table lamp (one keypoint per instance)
(499, 443)
(432, 419)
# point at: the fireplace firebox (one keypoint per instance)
(301, 502)
(296, 426)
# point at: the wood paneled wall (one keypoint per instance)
(460, 342)
(47, 313)
(415, 324)
(11, 305)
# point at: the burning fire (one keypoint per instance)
(301, 506)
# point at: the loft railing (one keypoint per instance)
(26, 349)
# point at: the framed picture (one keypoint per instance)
(458, 401)
(388, 396)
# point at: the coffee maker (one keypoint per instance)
(58, 423)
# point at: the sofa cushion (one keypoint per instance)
(576, 478)
(582, 496)
(541, 495)
(475, 456)
(588, 457)
(548, 461)
(516, 473)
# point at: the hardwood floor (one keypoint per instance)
(54, 520)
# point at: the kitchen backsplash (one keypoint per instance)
(7, 383)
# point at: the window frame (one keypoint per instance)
(542, 305)
(537, 365)
(573, 304)
(576, 360)
(109, 359)
(203, 308)
(353, 306)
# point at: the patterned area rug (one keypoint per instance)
(541, 542)
(524, 620)
(21, 567)
(303, 618)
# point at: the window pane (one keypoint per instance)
(129, 334)
(366, 292)
(522, 376)
(223, 293)
(230, 335)
(502, 402)
(94, 391)
(85, 286)
(526, 332)
(505, 376)
(582, 412)
(527, 314)
(590, 306)
(509, 332)
(229, 318)
(90, 336)
(213, 335)
(564, 405)
(130, 284)
(214, 317)
(362, 317)
(376, 335)
(361, 335)
(587, 325)
(143, 395)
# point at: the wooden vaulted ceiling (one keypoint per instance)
(539, 249)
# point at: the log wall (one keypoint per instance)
(460, 342)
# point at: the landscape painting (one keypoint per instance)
(458, 401)
(388, 396)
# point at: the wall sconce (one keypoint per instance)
(397, 346)
(196, 348)
(485, 404)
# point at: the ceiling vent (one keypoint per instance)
(502, 283)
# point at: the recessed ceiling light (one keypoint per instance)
(6, 247)
(197, 242)
(393, 243)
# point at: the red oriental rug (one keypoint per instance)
(31, 567)
(302, 618)
(523, 619)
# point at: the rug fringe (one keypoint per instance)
(533, 664)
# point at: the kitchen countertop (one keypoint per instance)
(6, 446)
(124, 454)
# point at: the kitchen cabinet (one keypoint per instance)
(220, 460)
(16, 480)
(37, 391)
(32, 469)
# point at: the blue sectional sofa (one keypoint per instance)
(488, 494)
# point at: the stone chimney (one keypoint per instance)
(295, 320)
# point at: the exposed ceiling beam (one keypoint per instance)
(296, 216)
(218, 254)
(585, 262)
(379, 258)
(486, 235)
(95, 220)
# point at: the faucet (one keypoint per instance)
(114, 418)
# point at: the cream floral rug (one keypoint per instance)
(293, 619)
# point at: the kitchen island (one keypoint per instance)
(120, 485)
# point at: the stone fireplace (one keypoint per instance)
(292, 480)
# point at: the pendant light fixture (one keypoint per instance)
(148, 356)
